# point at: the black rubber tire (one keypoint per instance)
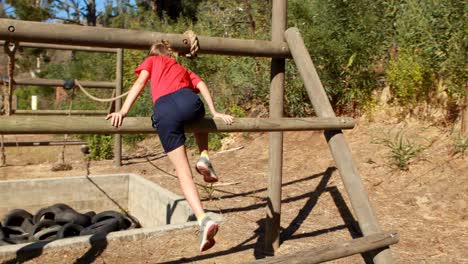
(24, 238)
(69, 230)
(47, 234)
(111, 215)
(72, 216)
(19, 217)
(13, 231)
(101, 227)
(90, 214)
(41, 225)
(4, 243)
(2, 235)
(129, 223)
(45, 213)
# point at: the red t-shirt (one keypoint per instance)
(167, 76)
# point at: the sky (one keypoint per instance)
(99, 6)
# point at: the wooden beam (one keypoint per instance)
(60, 112)
(62, 47)
(336, 251)
(118, 105)
(275, 160)
(57, 83)
(336, 142)
(137, 125)
(53, 33)
(44, 143)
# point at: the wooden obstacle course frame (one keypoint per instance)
(117, 85)
(277, 49)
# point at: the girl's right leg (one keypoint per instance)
(208, 227)
(178, 158)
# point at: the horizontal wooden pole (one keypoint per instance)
(53, 33)
(60, 112)
(59, 83)
(62, 47)
(336, 251)
(137, 125)
(43, 143)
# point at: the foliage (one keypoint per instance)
(405, 76)
(214, 141)
(32, 10)
(347, 40)
(100, 147)
(402, 150)
(236, 111)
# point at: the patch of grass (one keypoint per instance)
(460, 143)
(209, 190)
(402, 150)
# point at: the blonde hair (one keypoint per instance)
(161, 48)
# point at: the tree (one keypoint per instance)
(34, 10)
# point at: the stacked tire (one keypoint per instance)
(59, 221)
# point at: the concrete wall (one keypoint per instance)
(149, 203)
(154, 205)
(78, 192)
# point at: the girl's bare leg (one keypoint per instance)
(179, 159)
(202, 141)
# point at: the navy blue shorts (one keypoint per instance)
(171, 112)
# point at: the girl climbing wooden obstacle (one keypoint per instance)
(174, 92)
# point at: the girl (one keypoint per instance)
(175, 102)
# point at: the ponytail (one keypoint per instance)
(161, 48)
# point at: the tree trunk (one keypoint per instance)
(464, 117)
(91, 12)
(155, 7)
(251, 20)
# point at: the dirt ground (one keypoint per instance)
(426, 205)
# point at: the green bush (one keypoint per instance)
(100, 147)
(405, 77)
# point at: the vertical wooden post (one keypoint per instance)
(2, 152)
(10, 49)
(464, 116)
(337, 143)
(118, 105)
(275, 165)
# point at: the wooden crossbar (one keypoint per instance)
(60, 112)
(336, 251)
(62, 47)
(44, 143)
(55, 83)
(54, 33)
(137, 125)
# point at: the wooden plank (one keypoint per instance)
(53, 33)
(275, 160)
(336, 142)
(44, 143)
(62, 47)
(136, 125)
(336, 251)
(59, 83)
(60, 112)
